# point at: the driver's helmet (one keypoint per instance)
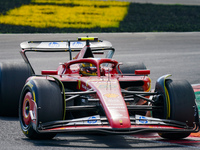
(88, 69)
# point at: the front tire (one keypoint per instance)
(44, 99)
(181, 106)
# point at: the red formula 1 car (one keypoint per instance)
(100, 95)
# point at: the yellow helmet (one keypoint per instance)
(88, 69)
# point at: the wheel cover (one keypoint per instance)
(26, 109)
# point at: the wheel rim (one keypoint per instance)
(26, 109)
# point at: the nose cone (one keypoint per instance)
(109, 93)
(115, 106)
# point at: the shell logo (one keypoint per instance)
(111, 95)
(54, 45)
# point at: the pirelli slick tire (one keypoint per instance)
(12, 79)
(182, 106)
(44, 100)
(130, 67)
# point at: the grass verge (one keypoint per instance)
(140, 18)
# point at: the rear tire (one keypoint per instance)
(130, 67)
(12, 79)
(47, 96)
(182, 106)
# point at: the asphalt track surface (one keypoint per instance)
(163, 53)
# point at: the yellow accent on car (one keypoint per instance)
(34, 99)
(168, 103)
(167, 100)
(111, 95)
(79, 84)
(33, 92)
(87, 38)
(149, 85)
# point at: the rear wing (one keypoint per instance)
(63, 46)
(70, 46)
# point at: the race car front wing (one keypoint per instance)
(97, 124)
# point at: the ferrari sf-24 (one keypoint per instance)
(98, 95)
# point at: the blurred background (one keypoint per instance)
(80, 16)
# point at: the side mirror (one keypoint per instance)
(120, 63)
(142, 72)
